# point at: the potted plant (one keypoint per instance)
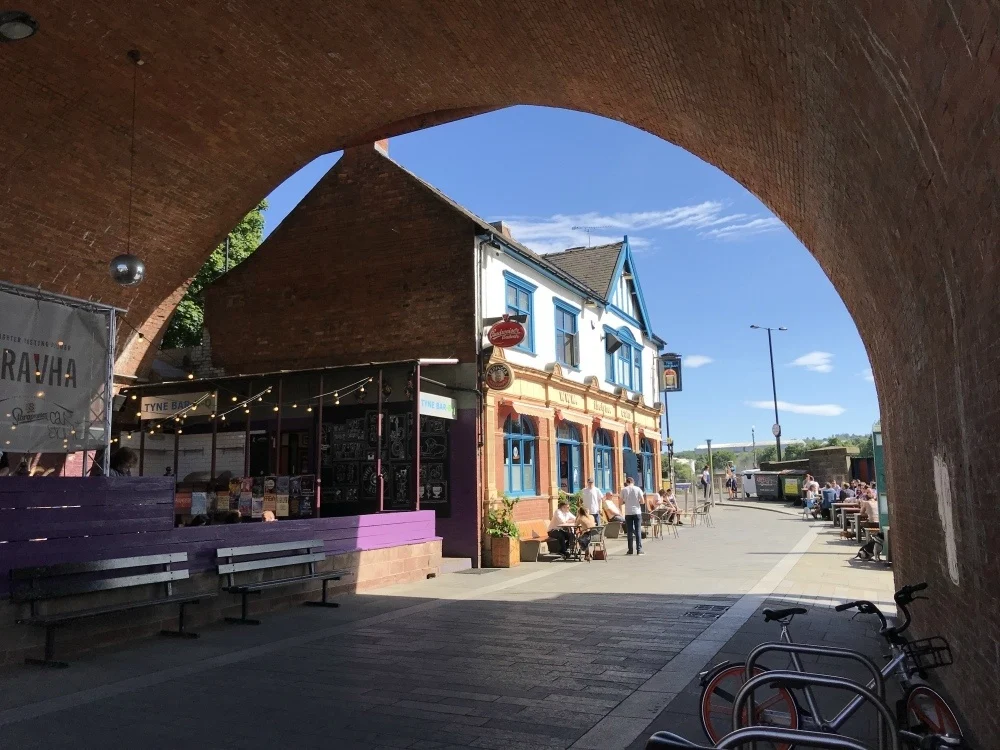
(505, 547)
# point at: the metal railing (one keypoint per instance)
(797, 737)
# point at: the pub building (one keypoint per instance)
(399, 272)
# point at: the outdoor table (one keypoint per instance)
(839, 507)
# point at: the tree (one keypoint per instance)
(186, 323)
(766, 454)
(721, 459)
(682, 471)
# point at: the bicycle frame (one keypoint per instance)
(895, 664)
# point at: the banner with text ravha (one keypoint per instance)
(53, 375)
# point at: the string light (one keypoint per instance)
(38, 373)
(134, 397)
(335, 403)
(309, 409)
(180, 432)
(275, 408)
(234, 398)
(223, 417)
(190, 376)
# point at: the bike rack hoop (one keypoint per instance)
(786, 678)
(797, 737)
(805, 648)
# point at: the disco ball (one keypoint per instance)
(127, 270)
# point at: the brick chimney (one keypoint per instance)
(503, 228)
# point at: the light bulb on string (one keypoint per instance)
(295, 406)
(234, 398)
(223, 417)
(134, 397)
(309, 409)
(275, 408)
(335, 403)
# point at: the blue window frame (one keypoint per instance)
(569, 457)
(604, 461)
(646, 464)
(519, 456)
(520, 299)
(567, 334)
(624, 367)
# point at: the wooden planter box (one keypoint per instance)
(506, 552)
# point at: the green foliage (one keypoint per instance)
(682, 472)
(501, 519)
(186, 323)
(721, 459)
(573, 500)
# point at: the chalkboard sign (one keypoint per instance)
(433, 485)
(767, 485)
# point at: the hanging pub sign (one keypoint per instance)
(54, 372)
(670, 372)
(172, 404)
(506, 333)
(499, 376)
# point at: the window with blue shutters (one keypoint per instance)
(520, 295)
(519, 456)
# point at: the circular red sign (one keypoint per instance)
(499, 376)
(506, 333)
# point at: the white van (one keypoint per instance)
(749, 482)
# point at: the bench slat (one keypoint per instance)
(96, 566)
(273, 562)
(329, 576)
(45, 590)
(81, 614)
(260, 549)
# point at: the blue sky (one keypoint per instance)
(710, 259)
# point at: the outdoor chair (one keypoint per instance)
(650, 525)
(665, 520)
(703, 511)
(597, 540)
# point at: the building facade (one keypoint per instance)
(582, 398)
(584, 401)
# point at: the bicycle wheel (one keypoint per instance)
(928, 713)
(772, 707)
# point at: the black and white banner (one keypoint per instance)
(53, 375)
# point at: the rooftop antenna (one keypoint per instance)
(590, 230)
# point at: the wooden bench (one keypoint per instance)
(234, 560)
(35, 586)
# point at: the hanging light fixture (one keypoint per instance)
(128, 269)
(16, 25)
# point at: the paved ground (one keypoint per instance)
(547, 655)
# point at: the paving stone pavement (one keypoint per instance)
(546, 655)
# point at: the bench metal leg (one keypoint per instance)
(50, 647)
(180, 632)
(324, 602)
(243, 619)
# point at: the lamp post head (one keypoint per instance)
(782, 328)
(754, 326)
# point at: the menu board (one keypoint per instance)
(767, 485)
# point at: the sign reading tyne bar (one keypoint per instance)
(171, 405)
(53, 367)
(432, 405)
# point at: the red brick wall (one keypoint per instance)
(370, 266)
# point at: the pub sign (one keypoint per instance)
(670, 373)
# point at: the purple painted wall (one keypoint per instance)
(460, 532)
(46, 520)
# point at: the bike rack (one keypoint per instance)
(785, 678)
(794, 649)
(797, 737)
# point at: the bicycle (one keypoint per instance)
(920, 712)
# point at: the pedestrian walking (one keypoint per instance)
(633, 503)
(706, 481)
(591, 500)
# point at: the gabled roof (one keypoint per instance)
(592, 271)
(526, 252)
(594, 266)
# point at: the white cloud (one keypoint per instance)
(815, 410)
(868, 375)
(815, 361)
(710, 219)
(697, 360)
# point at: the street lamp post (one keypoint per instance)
(774, 388)
(753, 439)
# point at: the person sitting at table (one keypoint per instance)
(584, 528)
(611, 511)
(668, 506)
(829, 497)
(560, 527)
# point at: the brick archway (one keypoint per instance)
(869, 128)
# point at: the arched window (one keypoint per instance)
(604, 461)
(519, 455)
(630, 464)
(647, 466)
(569, 457)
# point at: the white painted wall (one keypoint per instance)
(591, 324)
